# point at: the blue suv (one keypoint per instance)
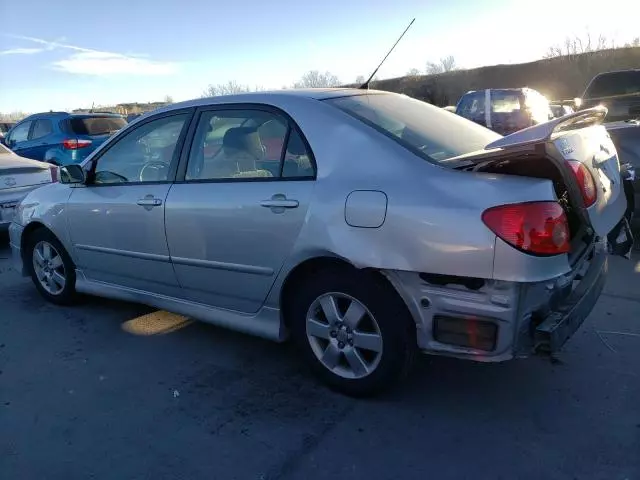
(62, 138)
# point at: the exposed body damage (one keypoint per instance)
(525, 314)
(491, 247)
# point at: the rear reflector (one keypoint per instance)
(465, 332)
(585, 181)
(74, 143)
(539, 228)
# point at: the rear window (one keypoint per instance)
(428, 131)
(96, 125)
(616, 83)
(505, 102)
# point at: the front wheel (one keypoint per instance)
(51, 268)
(354, 330)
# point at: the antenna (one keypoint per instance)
(365, 85)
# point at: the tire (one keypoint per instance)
(381, 347)
(58, 265)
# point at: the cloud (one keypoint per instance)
(21, 51)
(87, 61)
(106, 63)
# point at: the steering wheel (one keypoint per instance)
(155, 167)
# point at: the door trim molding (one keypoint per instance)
(125, 253)
(191, 262)
(232, 267)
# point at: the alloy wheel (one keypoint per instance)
(49, 267)
(344, 335)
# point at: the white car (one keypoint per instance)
(19, 176)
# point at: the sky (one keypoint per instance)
(71, 54)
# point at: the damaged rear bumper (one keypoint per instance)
(561, 323)
(524, 318)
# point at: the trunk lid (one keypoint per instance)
(16, 172)
(576, 137)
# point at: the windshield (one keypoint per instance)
(428, 131)
(96, 125)
(616, 83)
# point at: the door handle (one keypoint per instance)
(149, 202)
(280, 203)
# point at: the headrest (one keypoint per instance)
(245, 139)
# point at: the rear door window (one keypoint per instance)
(505, 102)
(96, 125)
(42, 128)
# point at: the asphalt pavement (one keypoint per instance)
(97, 391)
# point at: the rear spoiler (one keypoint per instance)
(542, 133)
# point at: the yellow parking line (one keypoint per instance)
(156, 323)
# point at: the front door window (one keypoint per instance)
(144, 155)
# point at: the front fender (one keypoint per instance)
(46, 206)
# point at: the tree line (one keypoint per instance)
(319, 79)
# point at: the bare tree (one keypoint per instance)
(13, 116)
(446, 64)
(229, 88)
(168, 99)
(414, 72)
(633, 43)
(317, 79)
(433, 68)
(577, 45)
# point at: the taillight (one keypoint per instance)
(74, 143)
(585, 182)
(54, 173)
(540, 228)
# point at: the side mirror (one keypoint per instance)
(72, 174)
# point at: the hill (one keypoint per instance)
(559, 78)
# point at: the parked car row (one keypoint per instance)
(508, 110)
(61, 138)
(367, 226)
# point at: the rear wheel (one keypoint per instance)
(51, 268)
(353, 330)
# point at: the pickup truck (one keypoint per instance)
(619, 91)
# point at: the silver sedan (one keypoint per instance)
(366, 226)
(19, 176)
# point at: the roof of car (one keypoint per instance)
(626, 70)
(35, 116)
(516, 89)
(265, 96)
